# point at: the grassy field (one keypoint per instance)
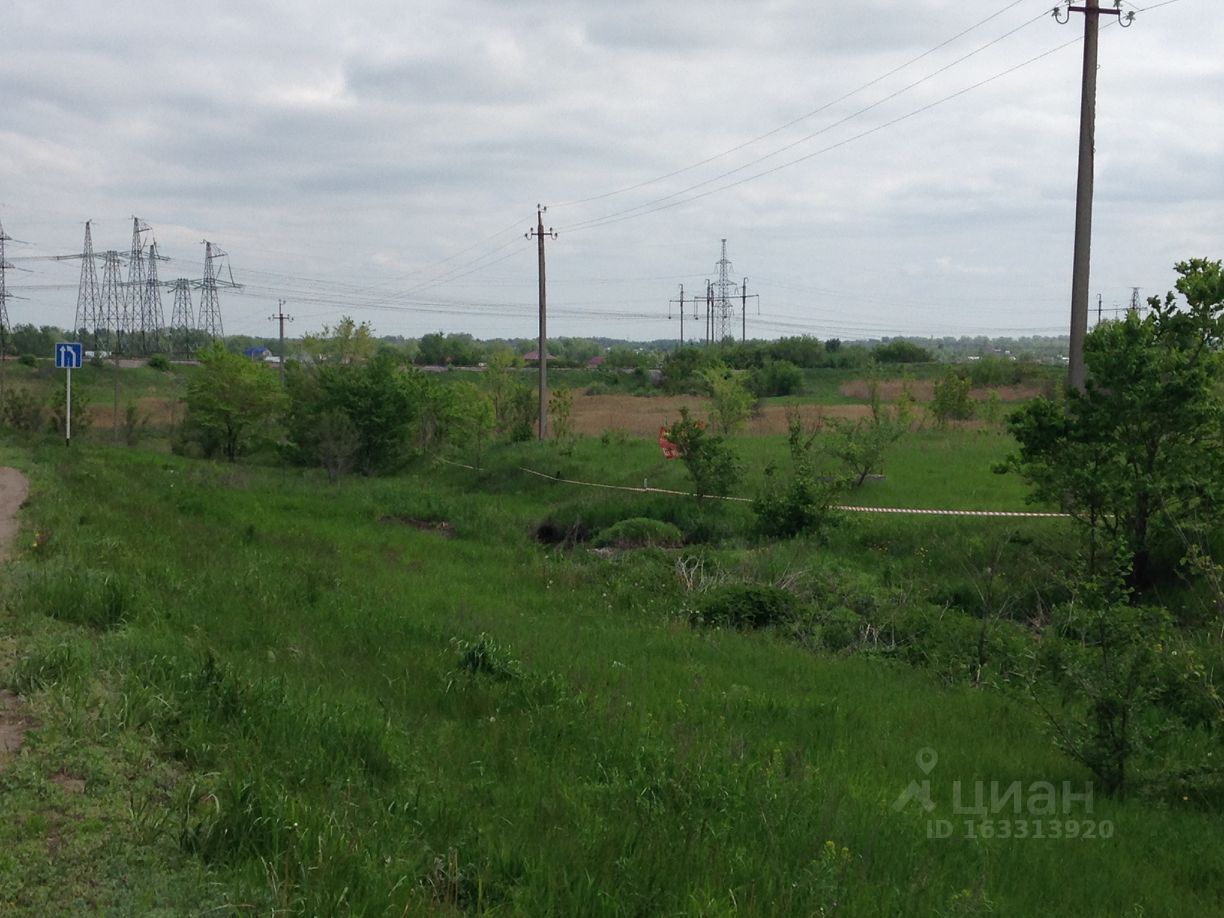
(259, 693)
(386, 697)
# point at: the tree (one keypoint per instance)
(383, 400)
(515, 407)
(1140, 452)
(561, 415)
(348, 342)
(860, 445)
(951, 401)
(232, 404)
(803, 504)
(708, 459)
(730, 400)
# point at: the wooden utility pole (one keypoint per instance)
(282, 319)
(1076, 371)
(681, 302)
(539, 233)
(744, 310)
(709, 331)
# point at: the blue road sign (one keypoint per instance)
(68, 355)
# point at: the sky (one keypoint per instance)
(876, 168)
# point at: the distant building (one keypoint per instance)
(257, 353)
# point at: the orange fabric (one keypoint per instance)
(670, 449)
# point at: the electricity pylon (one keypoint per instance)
(210, 302)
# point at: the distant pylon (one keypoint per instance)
(152, 321)
(182, 317)
(210, 303)
(112, 309)
(4, 293)
(135, 288)
(88, 309)
(724, 293)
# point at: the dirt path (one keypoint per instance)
(13, 490)
(13, 723)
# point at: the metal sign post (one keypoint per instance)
(68, 356)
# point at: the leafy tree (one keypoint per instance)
(28, 339)
(1140, 452)
(901, 351)
(383, 400)
(337, 442)
(860, 445)
(515, 407)
(459, 414)
(951, 401)
(561, 414)
(709, 460)
(347, 342)
(682, 370)
(1124, 694)
(776, 377)
(730, 400)
(801, 504)
(474, 420)
(439, 350)
(232, 404)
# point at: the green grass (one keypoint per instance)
(295, 663)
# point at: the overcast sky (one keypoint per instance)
(383, 159)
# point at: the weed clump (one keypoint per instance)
(639, 531)
(485, 657)
(94, 598)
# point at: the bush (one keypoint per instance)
(708, 459)
(902, 352)
(28, 360)
(746, 606)
(638, 531)
(802, 504)
(776, 377)
(22, 411)
(951, 401)
(160, 362)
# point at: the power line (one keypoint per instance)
(649, 205)
(816, 111)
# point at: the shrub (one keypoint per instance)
(746, 606)
(638, 531)
(802, 504)
(28, 360)
(22, 411)
(951, 400)
(160, 362)
(708, 459)
(776, 377)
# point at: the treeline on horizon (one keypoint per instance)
(459, 349)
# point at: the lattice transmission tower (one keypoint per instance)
(151, 323)
(182, 317)
(112, 304)
(88, 309)
(210, 302)
(134, 290)
(725, 292)
(4, 293)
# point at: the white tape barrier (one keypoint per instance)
(904, 511)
